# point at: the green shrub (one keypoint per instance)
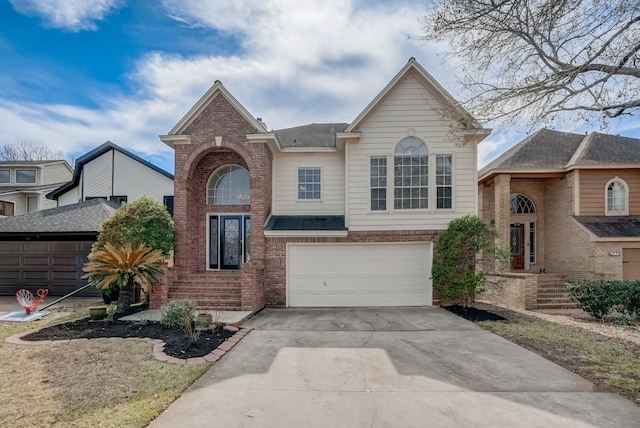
(600, 298)
(182, 314)
(459, 253)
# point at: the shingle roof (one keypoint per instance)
(84, 216)
(305, 222)
(612, 226)
(597, 149)
(313, 135)
(548, 150)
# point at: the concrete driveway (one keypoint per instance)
(396, 367)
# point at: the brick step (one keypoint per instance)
(543, 306)
(562, 296)
(204, 287)
(555, 300)
(211, 302)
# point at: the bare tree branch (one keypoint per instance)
(28, 151)
(534, 59)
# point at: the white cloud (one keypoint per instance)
(72, 15)
(299, 62)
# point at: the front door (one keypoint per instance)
(229, 237)
(517, 246)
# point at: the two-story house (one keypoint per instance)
(323, 214)
(114, 173)
(24, 184)
(568, 207)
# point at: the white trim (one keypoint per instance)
(576, 194)
(307, 233)
(172, 140)
(347, 183)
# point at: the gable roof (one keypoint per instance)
(313, 135)
(412, 66)
(216, 90)
(83, 217)
(553, 151)
(93, 154)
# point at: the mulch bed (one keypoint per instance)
(176, 343)
(474, 314)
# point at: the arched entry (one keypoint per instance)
(228, 232)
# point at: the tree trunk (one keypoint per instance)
(125, 299)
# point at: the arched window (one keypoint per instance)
(520, 204)
(617, 194)
(411, 174)
(229, 185)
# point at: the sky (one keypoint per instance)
(76, 73)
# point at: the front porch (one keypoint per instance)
(530, 291)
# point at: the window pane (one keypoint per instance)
(25, 176)
(378, 174)
(5, 176)
(229, 185)
(309, 184)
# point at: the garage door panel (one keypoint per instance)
(359, 275)
(54, 265)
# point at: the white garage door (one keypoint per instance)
(320, 275)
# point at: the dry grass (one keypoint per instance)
(105, 382)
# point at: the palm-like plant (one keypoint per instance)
(124, 267)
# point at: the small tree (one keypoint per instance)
(143, 221)
(124, 268)
(459, 251)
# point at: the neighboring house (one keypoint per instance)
(566, 205)
(113, 173)
(47, 249)
(24, 184)
(323, 214)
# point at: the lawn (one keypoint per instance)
(101, 382)
(611, 364)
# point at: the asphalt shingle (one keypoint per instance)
(305, 222)
(84, 216)
(313, 135)
(611, 226)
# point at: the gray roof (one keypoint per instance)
(313, 135)
(306, 222)
(597, 149)
(612, 226)
(83, 217)
(553, 150)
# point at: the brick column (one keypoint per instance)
(502, 206)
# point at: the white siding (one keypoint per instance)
(285, 183)
(70, 197)
(408, 108)
(56, 173)
(135, 180)
(97, 176)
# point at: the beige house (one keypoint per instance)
(24, 184)
(334, 214)
(568, 207)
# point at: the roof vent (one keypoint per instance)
(264, 125)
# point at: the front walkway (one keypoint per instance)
(400, 367)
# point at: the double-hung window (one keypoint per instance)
(411, 175)
(309, 184)
(444, 182)
(378, 169)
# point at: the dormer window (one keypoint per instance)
(617, 196)
(26, 176)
